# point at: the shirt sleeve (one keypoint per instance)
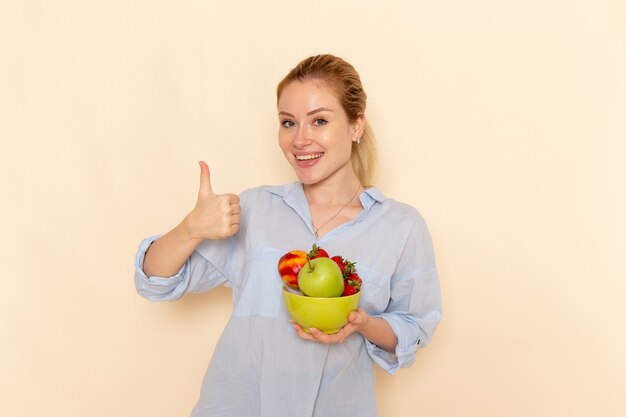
(197, 274)
(414, 308)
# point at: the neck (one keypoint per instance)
(318, 208)
(329, 194)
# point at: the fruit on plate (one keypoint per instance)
(320, 283)
(341, 263)
(329, 289)
(290, 264)
(321, 277)
(352, 283)
(345, 265)
(348, 290)
(317, 252)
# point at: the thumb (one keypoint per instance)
(357, 317)
(205, 179)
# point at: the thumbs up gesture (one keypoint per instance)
(215, 216)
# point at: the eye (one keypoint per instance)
(319, 122)
(287, 123)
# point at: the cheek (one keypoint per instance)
(342, 141)
(283, 141)
(332, 138)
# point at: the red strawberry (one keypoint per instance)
(341, 263)
(353, 280)
(349, 269)
(349, 290)
(317, 252)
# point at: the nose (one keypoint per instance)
(302, 138)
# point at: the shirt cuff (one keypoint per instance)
(408, 344)
(155, 288)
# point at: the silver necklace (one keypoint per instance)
(317, 229)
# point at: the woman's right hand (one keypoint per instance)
(215, 216)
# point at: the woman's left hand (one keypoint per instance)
(357, 320)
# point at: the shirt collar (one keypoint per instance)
(293, 195)
(375, 194)
(294, 190)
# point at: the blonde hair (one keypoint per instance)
(344, 80)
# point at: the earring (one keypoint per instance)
(358, 140)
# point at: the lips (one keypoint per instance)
(307, 160)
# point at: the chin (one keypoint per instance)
(307, 179)
(305, 176)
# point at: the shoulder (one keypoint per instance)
(409, 231)
(398, 219)
(394, 211)
(402, 209)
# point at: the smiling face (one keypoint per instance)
(315, 134)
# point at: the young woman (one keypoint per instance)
(263, 364)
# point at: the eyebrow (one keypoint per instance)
(321, 109)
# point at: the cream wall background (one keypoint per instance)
(501, 121)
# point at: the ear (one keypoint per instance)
(358, 127)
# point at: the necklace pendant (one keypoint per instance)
(316, 230)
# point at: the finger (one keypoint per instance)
(205, 179)
(234, 228)
(357, 317)
(233, 198)
(354, 317)
(301, 332)
(322, 337)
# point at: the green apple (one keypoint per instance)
(321, 277)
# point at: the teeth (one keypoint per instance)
(308, 157)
